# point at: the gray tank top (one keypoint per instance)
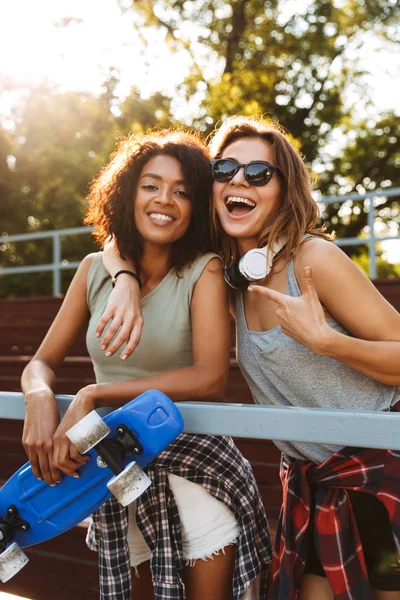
(166, 341)
(282, 372)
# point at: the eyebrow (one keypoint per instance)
(155, 176)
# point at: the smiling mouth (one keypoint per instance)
(238, 206)
(161, 218)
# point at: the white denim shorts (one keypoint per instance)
(207, 525)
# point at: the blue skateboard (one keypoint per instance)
(119, 446)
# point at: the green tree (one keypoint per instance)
(298, 68)
(9, 213)
(59, 141)
(369, 161)
(245, 56)
(294, 67)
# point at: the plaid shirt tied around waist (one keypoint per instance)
(337, 539)
(216, 464)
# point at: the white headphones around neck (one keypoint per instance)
(254, 265)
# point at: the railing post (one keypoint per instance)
(56, 263)
(372, 240)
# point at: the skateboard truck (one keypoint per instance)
(12, 559)
(128, 482)
(9, 524)
(112, 452)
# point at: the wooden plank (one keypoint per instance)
(61, 569)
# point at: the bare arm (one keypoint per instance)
(38, 379)
(353, 301)
(204, 380)
(123, 306)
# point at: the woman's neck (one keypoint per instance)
(244, 245)
(155, 263)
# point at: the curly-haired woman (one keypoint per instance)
(200, 530)
(314, 333)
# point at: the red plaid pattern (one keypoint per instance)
(337, 540)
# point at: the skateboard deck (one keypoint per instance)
(31, 511)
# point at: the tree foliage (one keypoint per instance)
(245, 56)
(301, 69)
(58, 142)
(294, 68)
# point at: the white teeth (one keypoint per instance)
(237, 200)
(160, 217)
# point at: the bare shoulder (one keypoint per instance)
(211, 281)
(214, 265)
(80, 278)
(211, 272)
(328, 263)
(318, 252)
(346, 292)
(87, 262)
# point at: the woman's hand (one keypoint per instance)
(124, 311)
(41, 420)
(66, 457)
(301, 318)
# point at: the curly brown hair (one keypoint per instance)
(298, 213)
(112, 193)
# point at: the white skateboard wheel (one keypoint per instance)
(12, 560)
(129, 485)
(88, 432)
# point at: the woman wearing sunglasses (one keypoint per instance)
(314, 333)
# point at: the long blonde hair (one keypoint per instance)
(298, 212)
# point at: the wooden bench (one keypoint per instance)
(73, 572)
(23, 324)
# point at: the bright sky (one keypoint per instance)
(78, 56)
(32, 47)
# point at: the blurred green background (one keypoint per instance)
(313, 65)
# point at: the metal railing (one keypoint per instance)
(58, 265)
(371, 240)
(316, 425)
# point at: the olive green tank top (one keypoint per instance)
(166, 341)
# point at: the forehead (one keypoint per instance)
(165, 166)
(248, 149)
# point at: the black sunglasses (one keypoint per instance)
(256, 172)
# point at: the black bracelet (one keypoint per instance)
(134, 275)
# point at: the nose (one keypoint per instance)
(239, 178)
(165, 196)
